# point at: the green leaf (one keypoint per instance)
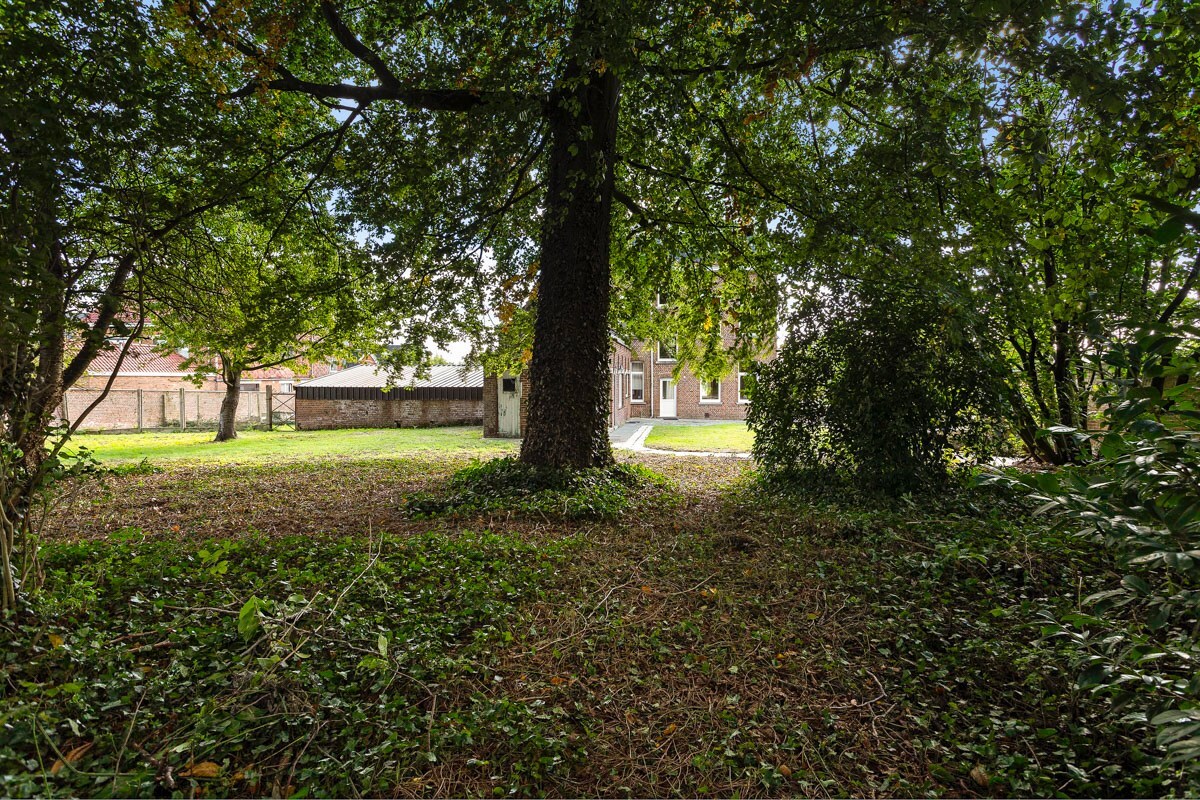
(248, 621)
(1169, 231)
(1137, 584)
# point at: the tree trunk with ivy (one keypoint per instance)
(568, 403)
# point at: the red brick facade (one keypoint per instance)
(323, 414)
(726, 404)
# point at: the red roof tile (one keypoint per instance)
(142, 357)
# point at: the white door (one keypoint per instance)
(666, 397)
(509, 406)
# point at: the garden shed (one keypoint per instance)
(366, 396)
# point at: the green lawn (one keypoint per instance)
(727, 437)
(282, 446)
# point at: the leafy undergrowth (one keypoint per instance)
(262, 667)
(507, 484)
(727, 641)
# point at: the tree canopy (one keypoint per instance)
(249, 297)
(484, 148)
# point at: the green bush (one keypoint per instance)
(510, 484)
(876, 388)
(1137, 642)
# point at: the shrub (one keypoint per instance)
(1138, 642)
(873, 388)
(510, 484)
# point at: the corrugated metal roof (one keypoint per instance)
(373, 377)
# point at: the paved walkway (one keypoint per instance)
(632, 436)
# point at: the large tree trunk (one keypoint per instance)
(227, 422)
(569, 375)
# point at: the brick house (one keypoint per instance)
(359, 397)
(644, 385)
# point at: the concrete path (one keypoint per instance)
(632, 436)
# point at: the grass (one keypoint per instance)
(289, 446)
(270, 629)
(724, 437)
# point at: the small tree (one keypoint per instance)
(252, 298)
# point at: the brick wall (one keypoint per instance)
(159, 408)
(491, 407)
(164, 383)
(323, 414)
(620, 385)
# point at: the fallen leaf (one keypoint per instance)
(56, 640)
(979, 776)
(785, 770)
(205, 769)
(667, 731)
(647, 590)
(71, 757)
(557, 680)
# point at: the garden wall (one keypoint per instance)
(140, 409)
(366, 407)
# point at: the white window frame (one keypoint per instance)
(710, 401)
(287, 387)
(742, 399)
(641, 373)
(658, 299)
(659, 355)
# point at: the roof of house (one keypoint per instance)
(370, 376)
(142, 357)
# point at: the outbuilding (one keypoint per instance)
(360, 397)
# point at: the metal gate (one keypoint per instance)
(282, 416)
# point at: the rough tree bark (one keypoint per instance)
(569, 376)
(227, 421)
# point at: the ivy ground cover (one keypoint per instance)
(295, 632)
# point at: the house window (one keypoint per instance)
(666, 352)
(661, 299)
(710, 391)
(638, 380)
(745, 386)
(508, 384)
(286, 387)
(247, 386)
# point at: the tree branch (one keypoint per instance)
(1188, 215)
(1182, 294)
(109, 306)
(456, 100)
(354, 45)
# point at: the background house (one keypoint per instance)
(644, 384)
